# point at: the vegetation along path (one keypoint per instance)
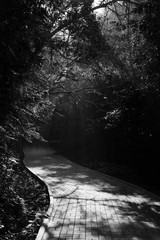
(85, 204)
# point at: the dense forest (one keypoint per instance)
(84, 76)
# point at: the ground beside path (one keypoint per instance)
(87, 205)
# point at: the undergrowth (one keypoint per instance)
(23, 201)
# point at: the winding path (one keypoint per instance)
(87, 205)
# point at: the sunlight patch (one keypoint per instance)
(59, 166)
(138, 199)
(149, 224)
(155, 203)
(81, 176)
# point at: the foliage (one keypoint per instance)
(107, 101)
(63, 27)
(97, 77)
(19, 193)
(149, 27)
(24, 31)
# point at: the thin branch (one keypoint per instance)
(67, 23)
(112, 2)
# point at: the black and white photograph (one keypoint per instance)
(79, 120)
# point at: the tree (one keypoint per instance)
(24, 31)
(149, 27)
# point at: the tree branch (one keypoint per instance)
(104, 5)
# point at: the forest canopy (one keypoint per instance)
(84, 76)
(91, 67)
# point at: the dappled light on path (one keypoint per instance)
(88, 205)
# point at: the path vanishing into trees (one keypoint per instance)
(85, 204)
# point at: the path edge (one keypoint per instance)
(119, 180)
(48, 213)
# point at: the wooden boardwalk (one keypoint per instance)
(87, 205)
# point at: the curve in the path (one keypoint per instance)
(88, 205)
